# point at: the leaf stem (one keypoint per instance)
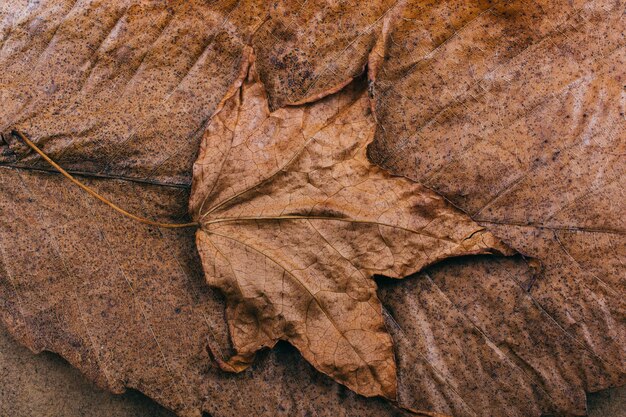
(95, 194)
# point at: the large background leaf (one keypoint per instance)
(518, 118)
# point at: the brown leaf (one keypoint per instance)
(295, 221)
(518, 119)
(471, 341)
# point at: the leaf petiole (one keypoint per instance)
(95, 194)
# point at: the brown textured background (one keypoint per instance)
(46, 385)
(101, 128)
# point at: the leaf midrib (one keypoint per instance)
(421, 232)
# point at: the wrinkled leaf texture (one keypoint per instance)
(121, 92)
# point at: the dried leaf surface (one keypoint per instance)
(79, 78)
(97, 84)
(517, 360)
(307, 50)
(515, 113)
(296, 221)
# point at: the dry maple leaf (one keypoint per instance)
(338, 181)
(295, 221)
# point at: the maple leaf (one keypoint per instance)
(295, 221)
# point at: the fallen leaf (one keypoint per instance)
(514, 112)
(295, 221)
(470, 340)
